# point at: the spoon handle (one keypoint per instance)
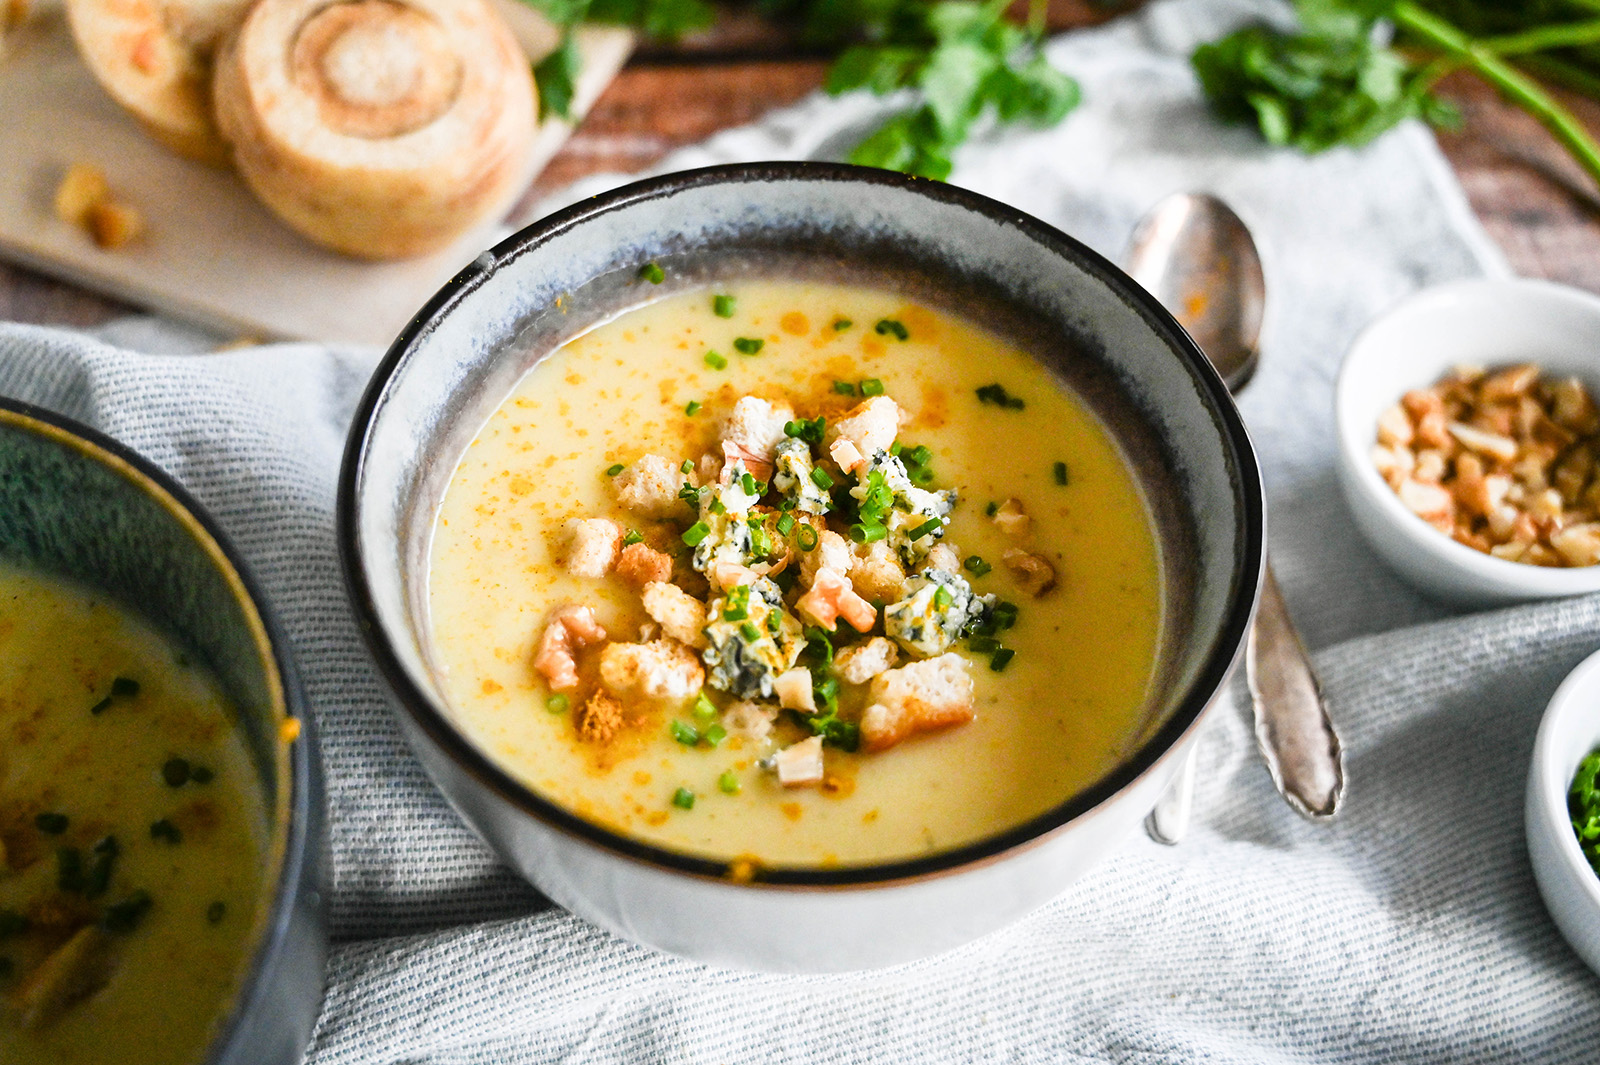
(1294, 733)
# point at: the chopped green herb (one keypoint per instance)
(216, 912)
(984, 644)
(103, 858)
(786, 525)
(12, 923)
(695, 533)
(51, 824)
(166, 830)
(942, 597)
(998, 395)
(809, 430)
(1583, 805)
(101, 707)
(919, 455)
(715, 735)
(736, 607)
(124, 688)
(1005, 614)
(689, 493)
(557, 703)
(921, 475)
(819, 646)
(683, 799)
(844, 388)
(722, 306)
(631, 537)
(684, 732)
(868, 532)
(692, 408)
(932, 525)
(977, 566)
(890, 327)
(704, 709)
(612, 471)
(992, 509)
(748, 483)
(69, 869)
(124, 916)
(728, 783)
(715, 361)
(688, 464)
(175, 772)
(1059, 472)
(200, 775)
(748, 345)
(806, 538)
(872, 387)
(820, 478)
(652, 273)
(1001, 659)
(749, 632)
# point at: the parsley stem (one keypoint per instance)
(1570, 35)
(1514, 85)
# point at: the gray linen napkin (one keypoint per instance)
(1409, 931)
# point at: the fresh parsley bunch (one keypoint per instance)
(962, 59)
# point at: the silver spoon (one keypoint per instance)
(1197, 257)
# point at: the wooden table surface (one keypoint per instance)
(1540, 207)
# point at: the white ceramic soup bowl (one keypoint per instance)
(1571, 888)
(1413, 345)
(1078, 314)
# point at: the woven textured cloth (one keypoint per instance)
(1411, 930)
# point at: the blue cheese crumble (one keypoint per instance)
(751, 639)
(938, 607)
(792, 468)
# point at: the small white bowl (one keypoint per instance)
(1413, 345)
(1569, 731)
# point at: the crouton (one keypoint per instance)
(753, 721)
(1012, 519)
(591, 546)
(832, 598)
(920, 697)
(832, 551)
(649, 486)
(571, 627)
(639, 565)
(859, 664)
(875, 572)
(663, 670)
(793, 688)
(870, 425)
(753, 429)
(800, 764)
(681, 615)
(600, 718)
(1034, 575)
(944, 556)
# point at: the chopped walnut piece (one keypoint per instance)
(1012, 519)
(1034, 575)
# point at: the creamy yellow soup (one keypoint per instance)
(126, 951)
(656, 380)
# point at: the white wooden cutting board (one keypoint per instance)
(210, 253)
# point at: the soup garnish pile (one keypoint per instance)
(133, 831)
(698, 580)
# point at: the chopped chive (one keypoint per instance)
(749, 632)
(921, 475)
(101, 707)
(748, 483)
(12, 923)
(216, 912)
(715, 361)
(997, 394)
(786, 525)
(704, 709)
(652, 273)
(200, 775)
(718, 506)
(844, 388)
(984, 644)
(728, 783)
(1005, 614)
(1059, 471)
(932, 525)
(866, 533)
(896, 447)
(69, 869)
(888, 326)
(872, 386)
(977, 566)
(820, 478)
(735, 612)
(683, 799)
(125, 916)
(942, 597)
(695, 533)
(841, 324)
(684, 733)
(688, 464)
(722, 306)
(612, 471)
(175, 772)
(557, 703)
(51, 824)
(98, 877)
(715, 735)
(992, 509)
(631, 537)
(919, 455)
(692, 408)
(689, 493)
(1001, 659)
(748, 345)
(124, 688)
(806, 537)
(166, 830)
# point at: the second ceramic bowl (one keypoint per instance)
(1153, 388)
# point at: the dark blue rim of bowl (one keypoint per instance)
(304, 801)
(1250, 532)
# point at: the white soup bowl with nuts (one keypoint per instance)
(1469, 440)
